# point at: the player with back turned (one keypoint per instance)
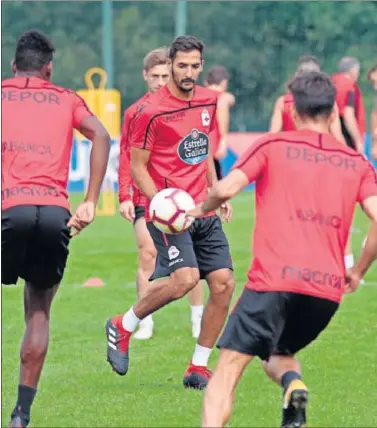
(297, 277)
(38, 119)
(171, 148)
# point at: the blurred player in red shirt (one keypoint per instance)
(282, 117)
(350, 103)
(217, 80)
(156, 73)
(171, 148)
(352, 116)
(297, 277)
(38, 119)
(372, 76)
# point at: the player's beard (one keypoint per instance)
(179, 83)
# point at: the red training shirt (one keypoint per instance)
(38, 119)
(307, 186)
(176, 132)
(124, 172)
(215, 135)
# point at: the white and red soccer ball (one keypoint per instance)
(168, 210)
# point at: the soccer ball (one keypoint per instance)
(168, 208)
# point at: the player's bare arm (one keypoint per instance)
(373, 127)
(276, 124)
(224, 104)
(221, 192)
(211, 170)
(352, 127)
(369, 253)
(336, 127)
(126, 206)
(94, 131)
(139, 169)
(225, 208)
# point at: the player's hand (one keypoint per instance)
(196, 212)
(353, 279)
(127, 210)
(226, 212)
(82, 217)
(222, 150)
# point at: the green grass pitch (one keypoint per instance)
(78, 388)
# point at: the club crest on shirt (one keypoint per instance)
(193, 149)
(206, 118)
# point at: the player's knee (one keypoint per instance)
(222, 289)
(34, 351)
(147, 255)
(183, 282)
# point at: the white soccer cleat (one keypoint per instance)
(145, 332)
(195, 327)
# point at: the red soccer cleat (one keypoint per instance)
(196, 377)
(118, 340)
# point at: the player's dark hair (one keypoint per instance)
(313, 93)
(216, 75)
(185, 44)
(34, 50)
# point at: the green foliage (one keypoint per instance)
(258, 41)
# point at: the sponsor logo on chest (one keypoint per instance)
(193, 149)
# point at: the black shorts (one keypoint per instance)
(34, 244)
(275, 323)
(346, 135)
(139, 213)
(218, 169)
(203, 246)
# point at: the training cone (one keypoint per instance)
(94, 282)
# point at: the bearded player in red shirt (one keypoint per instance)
(297, 276)
(38, 119)
(167, 127)
(156, 74)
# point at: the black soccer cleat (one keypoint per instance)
(295, 402)
(18, 419)
(118, 340)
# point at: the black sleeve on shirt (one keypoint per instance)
(351, 99)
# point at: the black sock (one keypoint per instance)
(288, 377)
(25, 399)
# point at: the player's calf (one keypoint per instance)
(221, 284)
(147, 260)
(33, 351)
(120, 328)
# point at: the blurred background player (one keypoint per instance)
(350, 103)
(282, 117)
(352, 116)
(38, 119)
(297, 277)
(218, 80)
(372, 76)
(156, 74)
(165, 154)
